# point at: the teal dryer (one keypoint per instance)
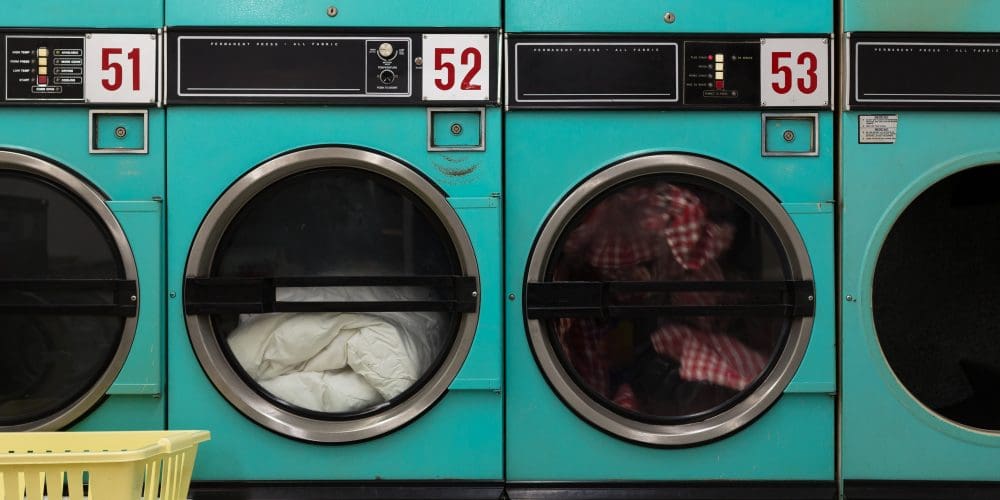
(669, 250)
(334, 267)
(920, 360)
(82, 183)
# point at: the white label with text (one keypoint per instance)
(794, 72)
(120, 68)
(456, 67)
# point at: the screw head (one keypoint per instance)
(456, 129)
(121, 132)
(850, 298)
(511, 297)
(669, 18)
(810, 298)
(418, 61)
(475, 293)
(789, 136)
(332, 11)
(133, 298)
(173, 295)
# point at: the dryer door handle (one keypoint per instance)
(263, 295)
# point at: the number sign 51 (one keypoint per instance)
(794, 72)
(456, 67)
(120, 68)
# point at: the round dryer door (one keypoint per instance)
(669, 300)
(935, 298)
(67, 295)
(332, 294)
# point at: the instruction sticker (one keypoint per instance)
(877, 129)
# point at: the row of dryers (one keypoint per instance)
(333, 250)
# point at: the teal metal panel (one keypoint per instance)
(885, 433)
(349, 13)
(922, 15)
(142, 221)
(61, 135)
(461, 436)
(82, 13)
(817, 373)
(455, 128)
(690, 16)
(135, 185)
(788, 135)
(119, 132)
(547, 153)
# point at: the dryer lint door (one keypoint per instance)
(68, 295)
(332, 294)
(669, 300)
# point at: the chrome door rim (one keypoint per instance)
(97, 202)
(768, 390)
(219, 369)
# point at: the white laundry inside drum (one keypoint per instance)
(337, 362)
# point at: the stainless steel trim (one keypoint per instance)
(430, 129)
(91, 136)
(210, 353)
(845, 80)
(813, 150)
(94, 200)
(774, 383)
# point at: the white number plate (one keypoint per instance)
(795, 72)
(456, 67)
(120, 68)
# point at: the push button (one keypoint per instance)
(790, 135)
(118, 132)
(456, 129)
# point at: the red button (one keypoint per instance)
(43, 80)
(720, 84)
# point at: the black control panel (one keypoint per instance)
(633, 72)
(264, 66)
(722, 73)
(924, 71)
(43, 68)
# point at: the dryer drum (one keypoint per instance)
(68, 295)
(332, 294)
(669, 299)
(935, 298)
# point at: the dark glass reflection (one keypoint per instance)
(337, 222)
(936, 296)
(49, 361)
(668, 368)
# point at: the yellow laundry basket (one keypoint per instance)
(153, 465)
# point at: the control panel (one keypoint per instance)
(65, 67)
(265, 66)
(666, 72)
(49, 68)
(926, 71)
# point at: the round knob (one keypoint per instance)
(387, 77)
(386, 51)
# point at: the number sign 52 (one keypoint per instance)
(120, 68)
(795, 72)
(456, 67)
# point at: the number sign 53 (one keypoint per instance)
(794, 72)
(456, 67)
(120, 68)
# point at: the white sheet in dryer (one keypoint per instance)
(337, 362)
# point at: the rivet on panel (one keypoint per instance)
(511, 297)
(669, 18)
(332, 11)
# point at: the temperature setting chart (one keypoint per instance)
(44, 68)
